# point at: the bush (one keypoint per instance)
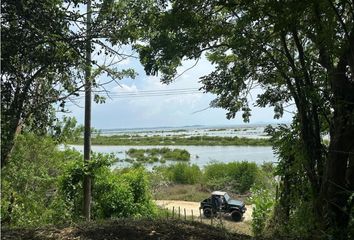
(263, 201)
(236, 176)
(30, 180)
(114, 194)
(181, 173)
(215, 171)
(243, 175)
(43, 185)
(111, 199)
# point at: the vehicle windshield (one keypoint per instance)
(227, 197)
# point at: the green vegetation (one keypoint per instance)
(48, 68)
(42, 185)
(180, 173)
(297, 53)
(49, 189)
(263, 200)
(235, 177)
(174, 140)
(153, 155)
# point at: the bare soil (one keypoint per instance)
(192, 208)
(126, 229)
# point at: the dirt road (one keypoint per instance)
(241, 227)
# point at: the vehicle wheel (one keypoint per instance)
(207, 212)
(236, 215)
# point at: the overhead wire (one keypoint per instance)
(151, 93)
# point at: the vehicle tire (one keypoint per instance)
(236, 215)
(207, 212)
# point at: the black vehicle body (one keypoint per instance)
(221, 202)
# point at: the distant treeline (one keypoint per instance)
(175, 140)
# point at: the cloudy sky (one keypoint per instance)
(145, 102)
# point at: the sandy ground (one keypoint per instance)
(241, 227)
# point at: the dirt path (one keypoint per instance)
(241, 227)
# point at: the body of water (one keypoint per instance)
(200, 155)
(248, 131)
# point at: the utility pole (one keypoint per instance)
(87, 131)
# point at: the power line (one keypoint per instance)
(154, 95)
(157, 91)
(151, 93)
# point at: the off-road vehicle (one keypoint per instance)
(221, 202)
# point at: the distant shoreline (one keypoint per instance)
(167, 128)
(127, 140)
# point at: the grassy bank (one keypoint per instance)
(183, 192)
(137, 140)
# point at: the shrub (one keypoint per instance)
(29, 182)
(114, 194)
(235, 176)
(215, 171)
(111, 199)
(180, 173)
(243, 175)
(263, 201)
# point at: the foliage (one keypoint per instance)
(43, 58)
(297, 53)
(182, 173)
(43, 185)
(37, 55)
(237, 177)
(65, 130)
(263, 202)
(29, 182)
(114, 194)
(293, 205)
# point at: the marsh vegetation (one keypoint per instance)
(154, 155)
(138, 140)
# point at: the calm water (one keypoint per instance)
(200, 155)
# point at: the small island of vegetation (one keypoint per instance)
(154, 155)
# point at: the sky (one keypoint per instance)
(171, 109)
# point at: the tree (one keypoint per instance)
(44, 48)
(298, 53)
(43, 59)
(36, 65)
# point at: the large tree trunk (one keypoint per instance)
(337, 187)
(10, 125)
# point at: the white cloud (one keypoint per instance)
(165, 110)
